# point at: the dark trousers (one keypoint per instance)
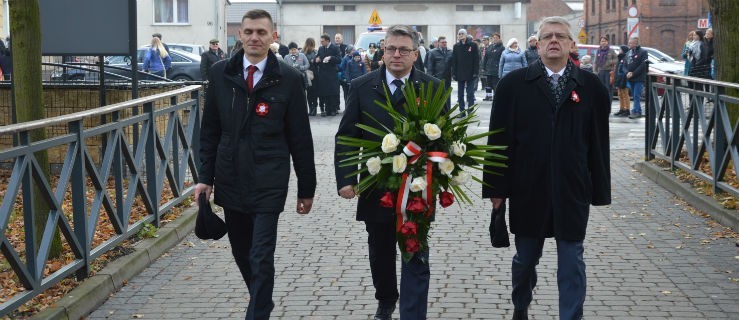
(571, 279)
(312, 102)
(415, 275)
(467, 87)
(253, 237)
(329, 104)
(345, 85)
(605, 79)
(491, 84)
(484, 81)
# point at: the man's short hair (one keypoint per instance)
(555, 20)
(158, 35)
(636, 39)
(325, 37)
(255, 14)
(496, 35)
(402, 30)
(442, 38)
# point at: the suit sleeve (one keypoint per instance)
(502, 116)
(203, 66)
(300, 140)
(641, 68)
(599, 152)
(347, 128)
(501, 63)
(210, 134)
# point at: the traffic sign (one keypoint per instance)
(582, 36)
(375, 18)
(702, 23)
(581, 23)
(632, 25)
(633, 11)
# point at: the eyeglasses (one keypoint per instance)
(559, 36)
(402, 51)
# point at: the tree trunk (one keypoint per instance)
(726, 46)
(25, 30)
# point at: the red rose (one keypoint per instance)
(409, 228)
(446, 198)
(411, 245)
(416, 205)
(387, 200)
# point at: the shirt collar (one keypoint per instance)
(261, 64)
(550, 72)
(389, 77)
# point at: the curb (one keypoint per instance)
(95, 290)
(667, 180)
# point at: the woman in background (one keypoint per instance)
(157, 60)
(309, 50)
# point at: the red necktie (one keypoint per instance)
(250, 77)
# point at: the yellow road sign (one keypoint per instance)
(582, 37)
(375, 18)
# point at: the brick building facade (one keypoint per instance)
(663, 24)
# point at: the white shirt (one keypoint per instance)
(550, 72)
(389, 80)
(257, 74)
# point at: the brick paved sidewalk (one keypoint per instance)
(647, 256)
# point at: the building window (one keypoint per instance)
(489, 7)
(608, 5)
(171, 11)
(626, 4)
(613, 39)
(465, 7)
(350, 8)
(329, 8)
(592, 7)
(667, 3)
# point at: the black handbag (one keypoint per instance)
(208, 225)
(498, 228)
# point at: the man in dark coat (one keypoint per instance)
(465, 67)
(208, 58)
(344, 52)
(255, 118)
(400, 53)
(328, 60)
(555, 121)
(636, 74)
(492, 63)
(437, 63)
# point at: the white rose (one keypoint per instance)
(399, 163)
(446, 167)
(373, 165)
(390, 143)
(459, 148)
(418, 184)
(432, 131)
(461, 178)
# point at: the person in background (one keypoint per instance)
(6, 60)
(237, 46)
(370, 56)
(511, 59)
(254, 123)
(282, 49)
(298, 60)
(585, 63)
(532, 53)
(575, 56)
(275, 48)
(709, 49)
(605, 64)
(554, 118)
(492, 64)
(465, 65)
(483, 73)
(636, 74)
(156, 59)
(309, 50)
(328, 59)
(377, 60)
(619, 82)
(686, 48)
(345, 51)
(209, 57)
(166, 47)
(354, 68)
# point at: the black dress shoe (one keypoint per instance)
(520, 314)
(384, 312)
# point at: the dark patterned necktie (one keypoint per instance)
(556, 88)
(398, 93)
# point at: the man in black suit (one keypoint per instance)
(555, 118)
(255, 118)
(328, 60)
(465, 65)
(401, 51)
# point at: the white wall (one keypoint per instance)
(306, 20)
(207, 21)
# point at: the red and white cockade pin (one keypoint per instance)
(575, 97)
(262, 109)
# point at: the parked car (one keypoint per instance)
(186, 47)
(373, 35)
(185, 65)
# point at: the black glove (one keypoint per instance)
(498, 228)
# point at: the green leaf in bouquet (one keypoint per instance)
(484, 170)
(356, 173)
(481, 181)
(357, 142)
(489, 163)
(372, 130)
(485, 147)
(360, 158)
(472, 138)
(460, 195)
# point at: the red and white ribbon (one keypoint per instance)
(413, 151)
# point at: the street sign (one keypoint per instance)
(581, 23)
(582, 36)
(632, 24)
(702, 23)
(633, 11)
(375, 18)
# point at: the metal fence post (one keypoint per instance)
(150, 154)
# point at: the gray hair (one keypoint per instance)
(555, 20)
(402, 30)
(636, 39)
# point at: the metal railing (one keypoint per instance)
(688, 126)
(148, 145)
